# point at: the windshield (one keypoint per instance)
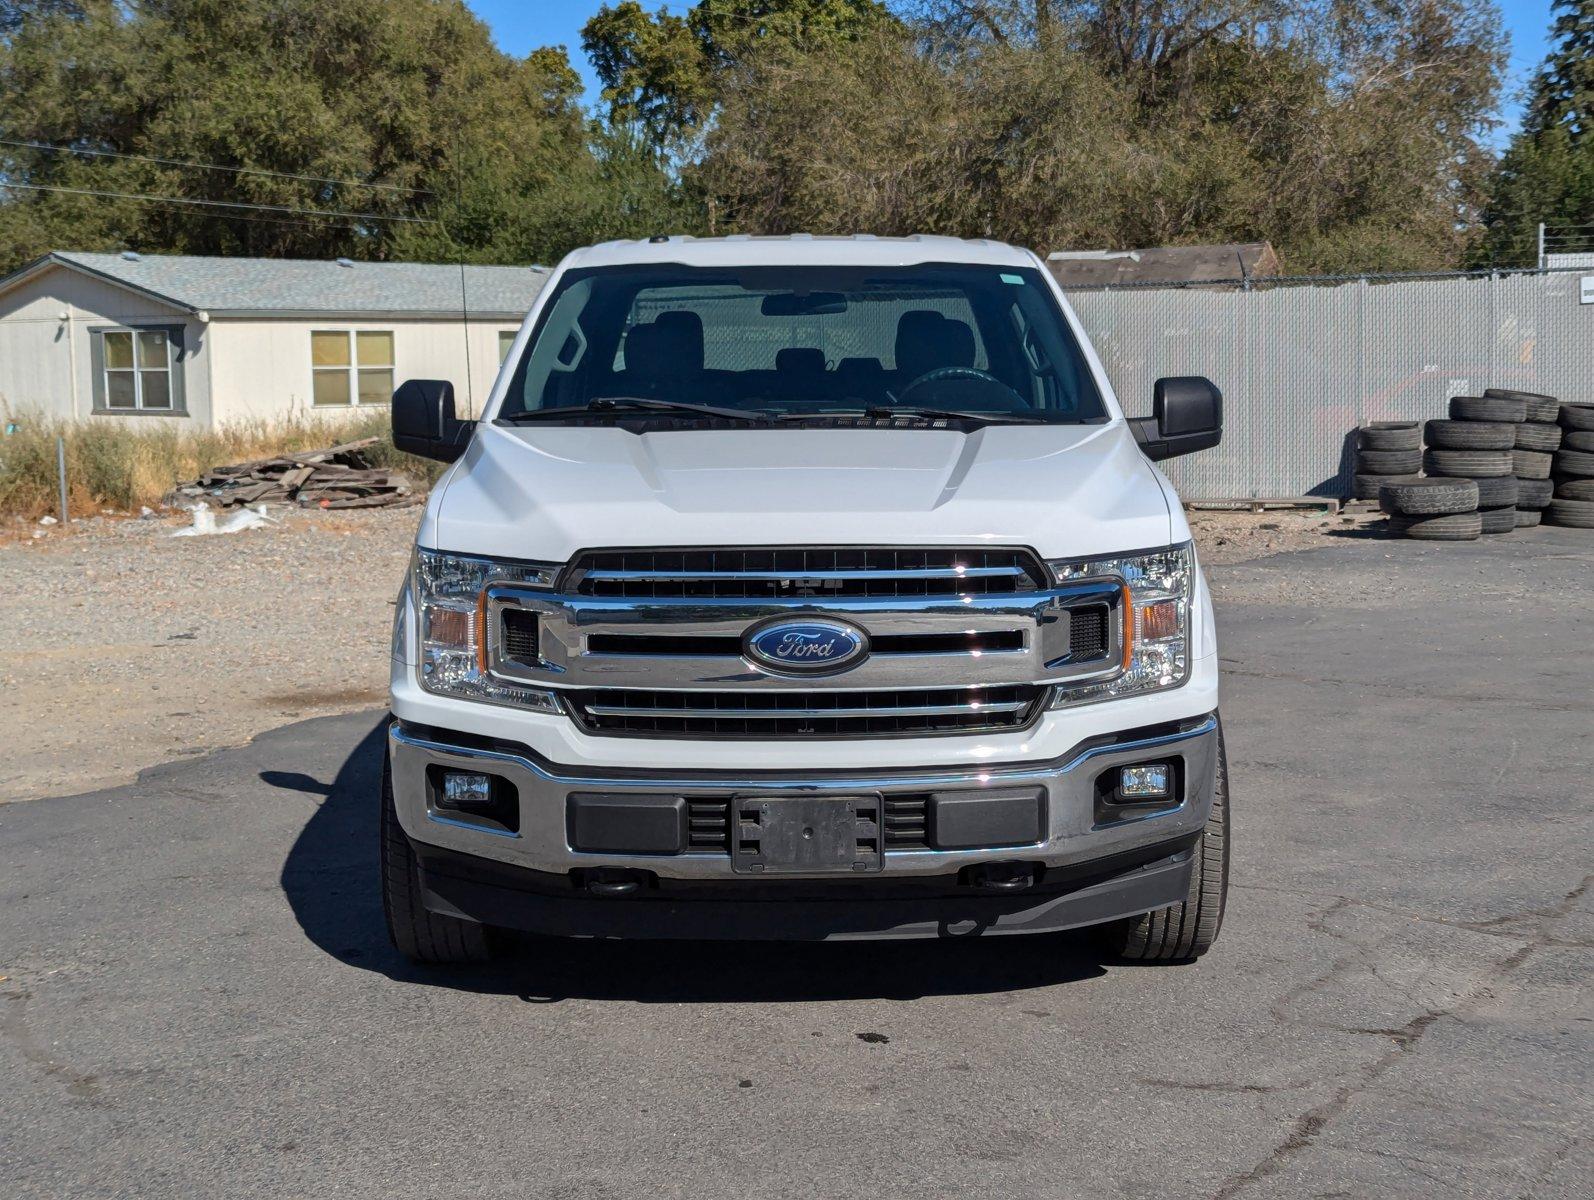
(949, 339)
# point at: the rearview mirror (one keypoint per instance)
(424, 421)
(1187, 415)
(808, 304)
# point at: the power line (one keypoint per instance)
(183, 200)
(204, 166)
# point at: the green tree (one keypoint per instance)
(663, 71)
(1547, 172)
(441, 144)
(1352, 135)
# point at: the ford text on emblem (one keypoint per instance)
(812, 646)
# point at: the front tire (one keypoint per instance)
(1187, 930)
(418, 934)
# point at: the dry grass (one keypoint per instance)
(112, 465)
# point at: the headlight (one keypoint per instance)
(1156, 644)
(451, 601)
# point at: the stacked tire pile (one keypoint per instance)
(1386, 452)
(1573, 470)
(1502, 441)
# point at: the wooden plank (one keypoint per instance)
(1259, 504)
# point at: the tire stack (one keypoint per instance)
(1479, 443)
(1573, 502)
(1537, 437)
(1386, 452)
(1433, 510)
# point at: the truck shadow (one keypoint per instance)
(330, 879)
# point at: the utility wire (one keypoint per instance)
(204, 166)
(183, 200)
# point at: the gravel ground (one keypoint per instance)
(124, 647)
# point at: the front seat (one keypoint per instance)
(927, 341)
(664, 358)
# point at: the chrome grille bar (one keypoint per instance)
(826, 576)
(625, 712)
(828, 572)
(779, 714)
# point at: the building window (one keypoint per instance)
(351, 366)
(506, 339)
(138, 370)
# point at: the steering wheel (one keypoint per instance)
(938, 374)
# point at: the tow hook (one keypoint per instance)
(1002, 876)
(613, 882)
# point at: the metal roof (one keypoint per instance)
(285, 287)
(1164, 264)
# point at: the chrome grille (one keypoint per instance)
(822, 573)
(772, 714)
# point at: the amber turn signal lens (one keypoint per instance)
(448, 626)
(1160, 620)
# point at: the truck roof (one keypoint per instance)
(800, 249)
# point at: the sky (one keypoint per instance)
(520, 26)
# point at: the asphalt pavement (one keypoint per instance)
(198, 998)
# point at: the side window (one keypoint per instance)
(137, 370)
(351, 367)
(1054, 384)
(546, 372)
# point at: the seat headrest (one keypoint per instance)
(800, 360)
(670, 344)
(926, 341)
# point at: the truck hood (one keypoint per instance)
(544, 493)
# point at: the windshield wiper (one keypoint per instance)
(603, 405)
(881, 412)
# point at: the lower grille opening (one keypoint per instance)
(770, 714)
(908, 822)
(708, 825)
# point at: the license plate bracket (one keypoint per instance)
(807, 835)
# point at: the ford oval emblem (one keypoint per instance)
(805, 647)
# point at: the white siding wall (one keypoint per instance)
(233, 370)
(44, 360)
(261, 368)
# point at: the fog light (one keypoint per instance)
(466, 791)
(1148, 781)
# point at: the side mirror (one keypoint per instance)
(1187, 415)
(424, 421)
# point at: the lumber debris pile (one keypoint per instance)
(337, 477)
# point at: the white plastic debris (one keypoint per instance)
(205, 522)
(47, 521)
(145, 512)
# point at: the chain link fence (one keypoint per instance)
(1302, 361)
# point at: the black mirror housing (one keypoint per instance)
(1187, 415)
(424, 423)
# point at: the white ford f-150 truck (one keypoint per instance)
(804, 588)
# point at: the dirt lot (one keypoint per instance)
(124, 647)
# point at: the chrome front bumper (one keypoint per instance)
(1075, 831)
